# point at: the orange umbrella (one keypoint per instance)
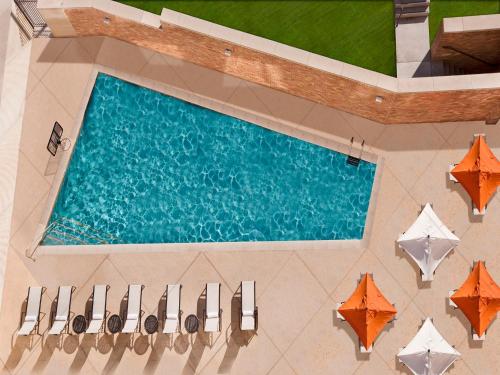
(478, 298)
(479, 173)
(367, 311)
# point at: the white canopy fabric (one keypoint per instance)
(428, 241)
(428, 353)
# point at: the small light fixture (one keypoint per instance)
(106, 20)
(228, 52)
(379, 99)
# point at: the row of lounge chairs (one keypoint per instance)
(171, 316)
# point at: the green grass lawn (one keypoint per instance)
(457, 8)
(359, 32)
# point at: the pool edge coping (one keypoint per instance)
(270, 122)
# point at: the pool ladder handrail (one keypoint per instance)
(30, 252)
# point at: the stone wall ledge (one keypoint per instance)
(369, 77)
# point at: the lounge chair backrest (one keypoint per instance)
(248, 298)
(134, 301)
(99, 302)
(63, 302)
(33, 307)
(213, 294)
(173, 301)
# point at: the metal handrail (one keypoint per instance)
(62, 222)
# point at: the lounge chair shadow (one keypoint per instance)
(141, 344)
(19, 345)
(122, 343)
(70, 344)
(235, 338)
(457, 188)
(48, 347)
(87, 343)
(158, 347)
(201, 340)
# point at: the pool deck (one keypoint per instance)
(297, 288)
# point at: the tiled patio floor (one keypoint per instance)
(296, 290)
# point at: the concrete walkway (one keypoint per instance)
(413, 46)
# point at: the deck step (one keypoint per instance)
(420, 4)
(414, 15)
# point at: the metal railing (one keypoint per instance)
(64, 230)
(31, 14)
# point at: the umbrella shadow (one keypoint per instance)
(457, 188)
(342, 325)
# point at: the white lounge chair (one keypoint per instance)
(249, 313)
(212, 314)
(96, 321)
(60, 321)
(31, 319)
(134, 312)
(173, 311)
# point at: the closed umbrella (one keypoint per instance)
(367, 311)
(428, 241)
(478, 298)
(479, 173)
(428, 353)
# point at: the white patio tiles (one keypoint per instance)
(296, 290)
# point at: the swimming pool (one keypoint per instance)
(151, 168)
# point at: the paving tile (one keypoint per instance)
(15, 350)
(30, 188)
(283, 106)
(408, 150)
(92, 45)
(68, 77)
(384, 246)
(31, 83)
(123, 56)
(261, 266)
(23, 238)
(52, 271)
(44, 52)
(239, 356)
(449, 200)
(481, 240)
(154, 270)
(42, 110)
(368, 130)
(324, 346)
(211, 83)
(289, 302)
(375, 365)
(282, 368)
(482, 358)
(433, 299)
(329, 120)
(160, 70)
(330, 266)
(245, 98)
(9, 154)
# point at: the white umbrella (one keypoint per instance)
(428, 353)
(428, 241)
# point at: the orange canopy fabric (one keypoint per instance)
(478, 298)
(479, 173)
(367, 311)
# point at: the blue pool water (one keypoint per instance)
(150, 168)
